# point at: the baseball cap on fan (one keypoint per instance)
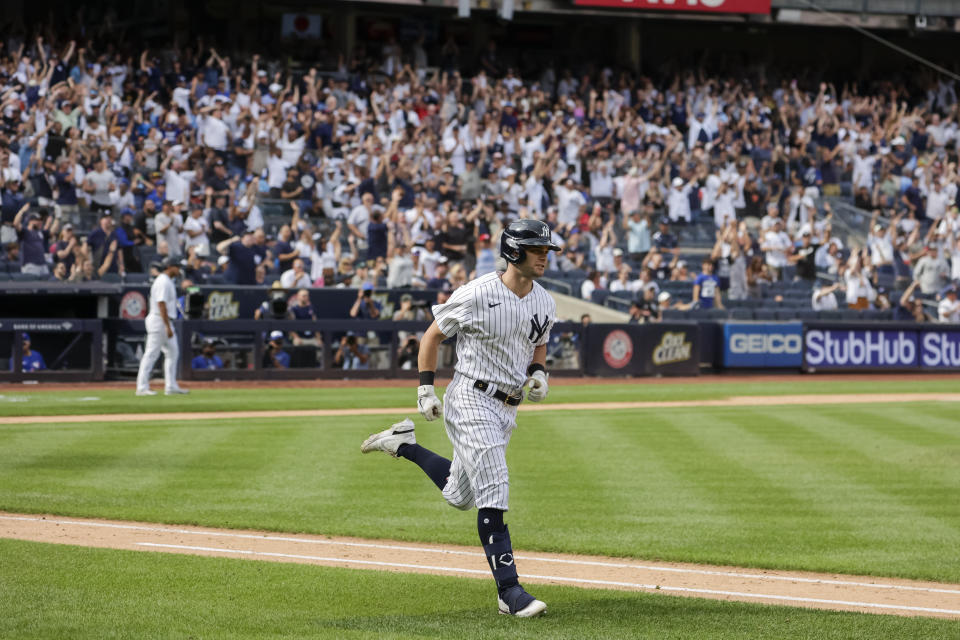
(276, 335)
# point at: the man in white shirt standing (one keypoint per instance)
(937, 200)
(678, 200)
(178, 181)
(776, 243)
(215, 131)
(196, 229)
(161, 338)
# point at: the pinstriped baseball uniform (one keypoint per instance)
(496, 336)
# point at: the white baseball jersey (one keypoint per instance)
(497, 333)
(163, 290)
(496, 330)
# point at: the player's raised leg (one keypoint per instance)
(400, 441)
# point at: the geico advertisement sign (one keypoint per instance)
(833, 348)
(941, 349)
(762, 343)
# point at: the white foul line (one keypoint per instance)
(652, 587)
(590, 563)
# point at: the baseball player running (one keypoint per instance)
(502, 322)
(160, 334)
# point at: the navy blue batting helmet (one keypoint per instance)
(524, 233)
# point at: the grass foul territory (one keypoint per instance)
(54, 591)
(864, 489)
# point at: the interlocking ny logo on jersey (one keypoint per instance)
(537, 328)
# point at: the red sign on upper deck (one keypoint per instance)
(712, 6)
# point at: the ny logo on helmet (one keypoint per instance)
(537, 328)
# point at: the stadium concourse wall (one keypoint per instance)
(96, 331)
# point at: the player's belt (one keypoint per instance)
(483, 386)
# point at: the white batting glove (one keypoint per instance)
(429, 404)
(538, 386)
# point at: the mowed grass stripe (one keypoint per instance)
(896, 531)
(893, 437)
(55, 591)
(565, 493)
(817, 522)
(936, 419)
(114, 468)
(925, 499)
(23, 446)
(766, 488)
(617, 481)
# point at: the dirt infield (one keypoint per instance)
(735, 401)
(800, 589)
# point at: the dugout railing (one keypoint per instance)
(71, 350)
(243, 346)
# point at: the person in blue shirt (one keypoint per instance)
(274, 357)
(243, 258)
(208, 358)
(32, 360)
(706, 288)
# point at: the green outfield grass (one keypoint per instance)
(20, 400)
(862, 488)
(53, 591)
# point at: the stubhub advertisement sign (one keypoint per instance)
(835, 348)
(763, 345)
(940, 350)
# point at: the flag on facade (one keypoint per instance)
(301, 25)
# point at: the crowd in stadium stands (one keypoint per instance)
(402, 173)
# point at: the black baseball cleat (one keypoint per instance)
(389, 440)
(515, 601)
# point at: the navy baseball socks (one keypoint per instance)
(512, 599)
(435, 466)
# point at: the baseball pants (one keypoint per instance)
(157, 343)
(479, 427)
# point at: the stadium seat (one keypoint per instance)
(599, 296)
(112, 278)
(807, 314)
(4, 276)
(741, 314)
(674, 314)
(138, 278)
(764, 314)
(786, 315)
(618, 303)
(829, 315)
